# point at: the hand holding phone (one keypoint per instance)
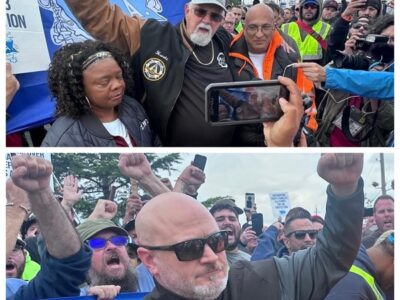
(282, 132)
(257, 223)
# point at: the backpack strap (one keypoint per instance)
(307, 28)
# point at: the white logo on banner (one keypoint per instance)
(26, 47)
(280, 204)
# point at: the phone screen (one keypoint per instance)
(246, 103)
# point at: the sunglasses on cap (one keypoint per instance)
(194, 249)
(301, 234)
(312, 6)
(201, 13)
(100, 243)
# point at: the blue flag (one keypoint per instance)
(33, 105)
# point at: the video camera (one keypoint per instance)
(365, 44)
(374, 48)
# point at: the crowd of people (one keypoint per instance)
(170, 246)
(142, 82)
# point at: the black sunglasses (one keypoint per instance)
(201, 13)
(194, 249)
(301, 234)
(358, 26)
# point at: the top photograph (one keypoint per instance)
(199, 73)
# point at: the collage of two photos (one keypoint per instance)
(232, 188)
(131, 74)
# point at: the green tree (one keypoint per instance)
(98, 171)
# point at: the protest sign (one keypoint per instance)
(280, 204)
(26, 47)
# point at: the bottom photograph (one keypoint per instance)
(199, 226)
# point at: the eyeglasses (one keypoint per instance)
(194, 249)
(301, 234)
(312, 6)
(201, 13)
(358, 26)
(253, 29)
(297, 9)
(100, 243)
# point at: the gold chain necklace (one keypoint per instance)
(212, 57)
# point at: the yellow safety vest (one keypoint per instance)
(239, 27)
(368, 279)
(309, 49)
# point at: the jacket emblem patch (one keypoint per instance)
(221, 60)
(154, 69)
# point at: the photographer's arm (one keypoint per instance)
(369, 84)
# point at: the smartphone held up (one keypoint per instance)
(244, 102)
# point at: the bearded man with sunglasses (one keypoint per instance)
(173, 64)
(309, 32)
(110, 261)
(182, 246)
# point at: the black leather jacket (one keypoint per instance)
(88, 131)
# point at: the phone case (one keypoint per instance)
(210, 102)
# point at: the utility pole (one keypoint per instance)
(383, 181)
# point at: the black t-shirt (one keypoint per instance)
(187, 126)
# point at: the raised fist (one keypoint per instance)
(134, 165)
(31, 173)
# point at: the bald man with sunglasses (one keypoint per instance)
(181, 245)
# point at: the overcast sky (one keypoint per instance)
(235, 174)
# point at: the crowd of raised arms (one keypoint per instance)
(141, 82)
(171, 246)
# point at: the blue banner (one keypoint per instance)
(33, 105)
(122, 296)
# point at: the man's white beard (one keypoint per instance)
(199, 38)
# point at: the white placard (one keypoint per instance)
(26, 47)
(280, 204)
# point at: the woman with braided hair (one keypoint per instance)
(89, 82)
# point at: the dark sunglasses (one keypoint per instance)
(301, 234)
(312, 6)
(297, 9)
(100, 243)
(358, 26)
(194, 249)
(201, 13)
